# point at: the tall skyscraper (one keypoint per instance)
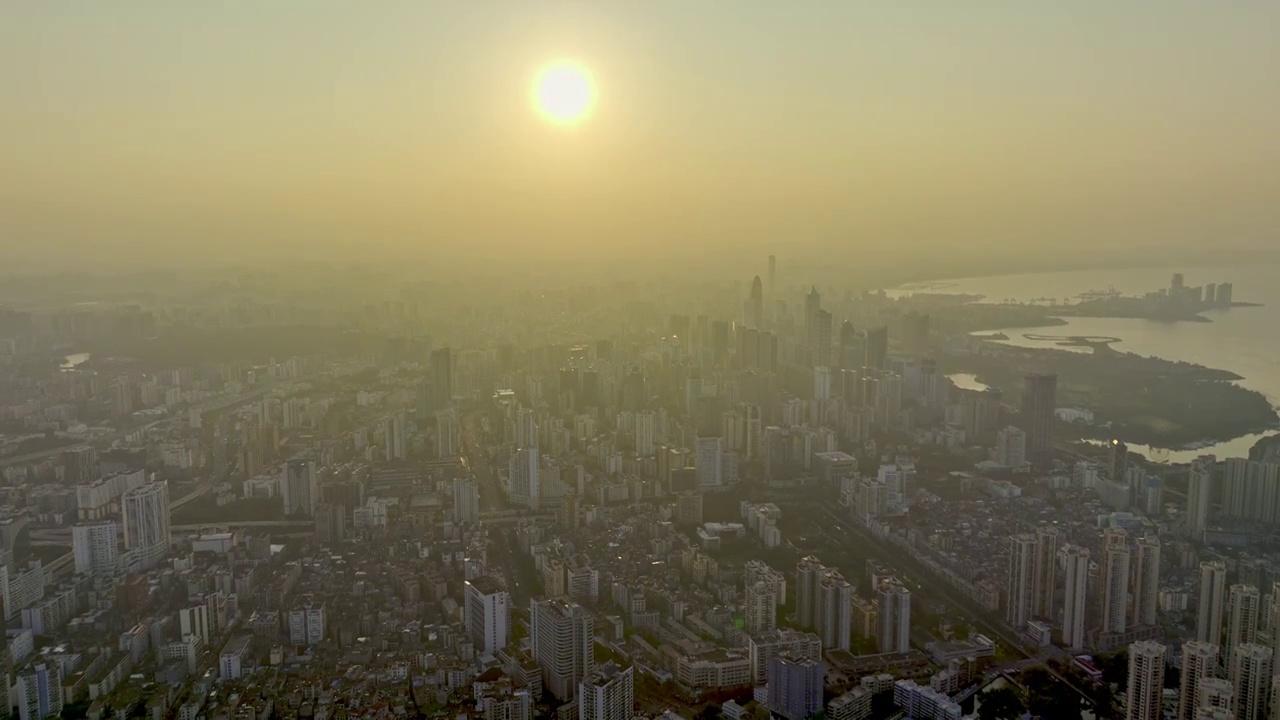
(895, 616)
(563, 642)
(646, 428)
(754, 314)
(298, 487)
(145, 510)
(488, 615)
(1213, 596)
(812, 303)
(1199, 661)
(760, 608)
(1146, 681)
(395, 444)
(1117, 460)
(97, 548)
(1115, 582)
(795, 686)
(1019, 579)
(1251, 678)
(441, 370)
(1039, 401)
(607, 693)
(808, 571)
(835, 610)
(1146, 581)
(1243, 605)
(1044, 574)
(1074, 603)
(876, 347)
(523, 482)
(1199, 495)
(709, 462)
(466, 501)
(1273, 624)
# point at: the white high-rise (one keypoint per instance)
(895, 616)
(1216, 696)
(298, 487)
(488, 615)
(835, 611)
(1146, 681)
(145, 510)
(1243, 604)
(607, 693)
(1020, 574)
(1199, 661)
(1213, 596)
(1146, 581)
(522, 478)
(760, 608)
(395, 442)
(1074, 602)
(1199, 495)
(97, 548)
(1251, 678)
(563, 642)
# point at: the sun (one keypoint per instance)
(563, 92)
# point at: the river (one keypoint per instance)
(74, 360)
(1242, 340)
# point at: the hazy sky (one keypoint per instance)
(890, 129)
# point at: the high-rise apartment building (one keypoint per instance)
(563, 642)
(1146, 681)
(760, 608)
(708, 462)
(1075, 596)
(96, 547)
(1199, 495)
(1251, 678)
(145, 511)
(1146, 581)
(895, 616)
(1044, 573)
(307, 622)
(835, 610)
(448, 433)
(523, 486)
(1199, 661)
(645, 431)
(1217, 696)
(1243, 605)
(39, 691)
(1019, 578)
(466, 501)
(487, 612)
(607, 693)
(298, 487)
(1039, 403)
(876, 348)
(441, 372)
(1115, 582)
(795, 686)
(1011, 447)
(1213, 596)
(808, 571)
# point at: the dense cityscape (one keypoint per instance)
(781, 505)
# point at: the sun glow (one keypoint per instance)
(563, 93)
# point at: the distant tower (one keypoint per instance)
(807, 572)
(1118, 460)
(1146, 581)
(876, 348)
(1146, 680)
(607, 693)
(1213, 595)
(760, 613)
(755, 305)
(1242, 618)
(1199, 495)
(895, 616)
(487, 614)
(1039, 400)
